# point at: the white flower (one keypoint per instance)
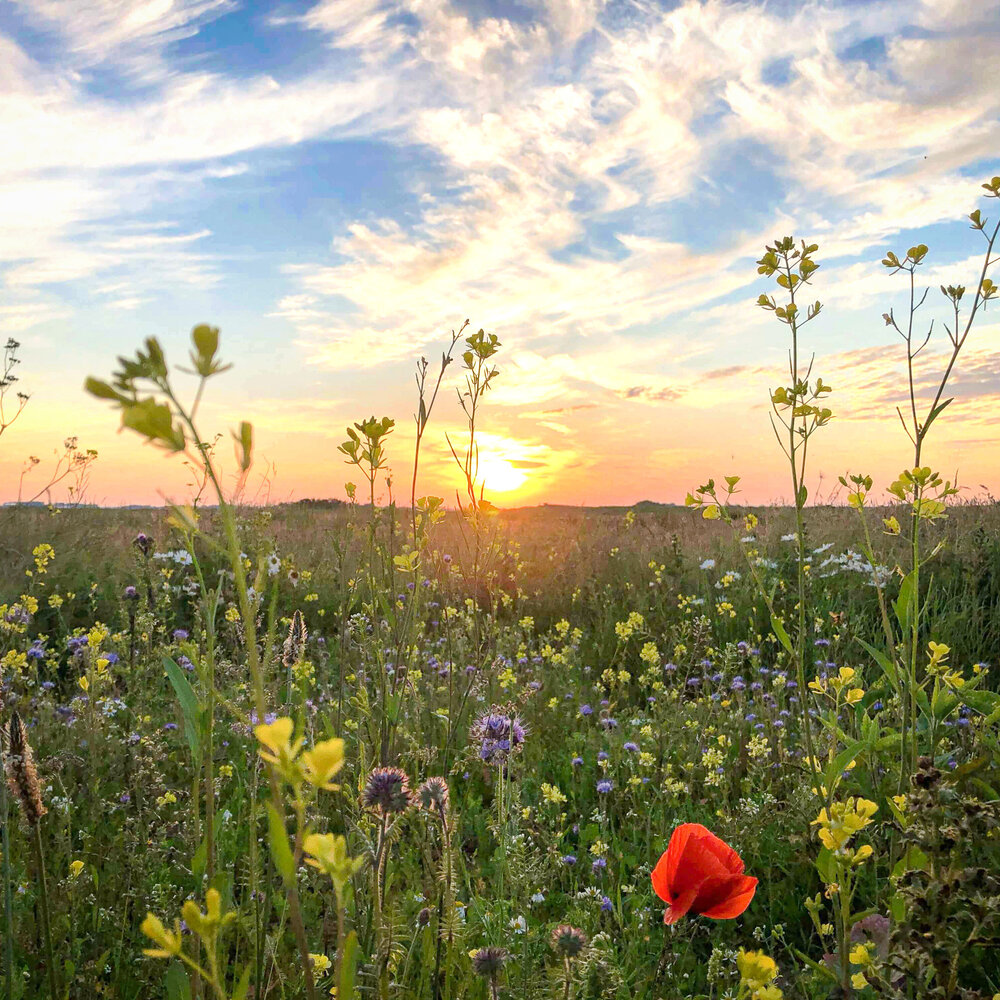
(519, 925)
(273, 564)
(708, 564)
(539, 897)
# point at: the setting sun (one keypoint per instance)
(499, 474)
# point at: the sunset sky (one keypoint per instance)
(338, 184)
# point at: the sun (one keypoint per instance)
(499, 476)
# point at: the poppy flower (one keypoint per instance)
(699, 873)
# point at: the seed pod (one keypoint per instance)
(22, 777)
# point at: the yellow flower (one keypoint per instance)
(858, 981)
(277, 737)
(323, 762)
(320, 963)
(75, 868)
(756, 968)
(328, 853)
(859, 955)
(843, 821)
(169, 941)
(552, 794)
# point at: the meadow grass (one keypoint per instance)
(398, 752)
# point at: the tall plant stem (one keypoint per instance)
(248, 616)
(8, 903)
(43, 898)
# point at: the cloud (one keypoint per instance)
(132, 33)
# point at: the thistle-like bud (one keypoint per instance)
(22, 777)
(295, 643)
(432, 796)
(568, 941)
(387, 791)
(489, 962)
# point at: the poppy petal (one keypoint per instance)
(681, 906)
(665, 872)
(726, 856)
(738, 894)
(660, 877)
(698, 862)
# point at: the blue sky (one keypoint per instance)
(338, 183)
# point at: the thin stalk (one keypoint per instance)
(36, 843)
(8, 902)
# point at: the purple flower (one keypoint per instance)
(632, 747)
(568, 859)
(604, 786)
(606, 906)
(586, 710)
(180, 634)
(499, 736)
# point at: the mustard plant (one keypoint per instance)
(143, 392)
(919, 487)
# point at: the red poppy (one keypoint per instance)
(699, 873)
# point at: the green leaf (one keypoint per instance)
(348, 967)
(244, 445)
(200, 860)
(841, 761)
(176, 982)
(986, 702)
(100, 389)
(243, 987)
(936, 412)
(913, 860)
(825, 866)
(883, 661)
(802, 496)
(190, 706)
(779, 631)
(823, 970)
(904, 605)
(281, 852)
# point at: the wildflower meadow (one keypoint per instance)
(413, 747)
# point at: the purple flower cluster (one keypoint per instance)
(499, 733)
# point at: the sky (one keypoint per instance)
(338, 184)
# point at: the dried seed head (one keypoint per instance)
(424, 917)
(568, 941)
(22, 778)
(295, 643)
(387, 791)
(488, 962)
(432, 795)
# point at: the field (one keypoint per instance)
(607, 641)
(398, 751)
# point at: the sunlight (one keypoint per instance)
(499, 475)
